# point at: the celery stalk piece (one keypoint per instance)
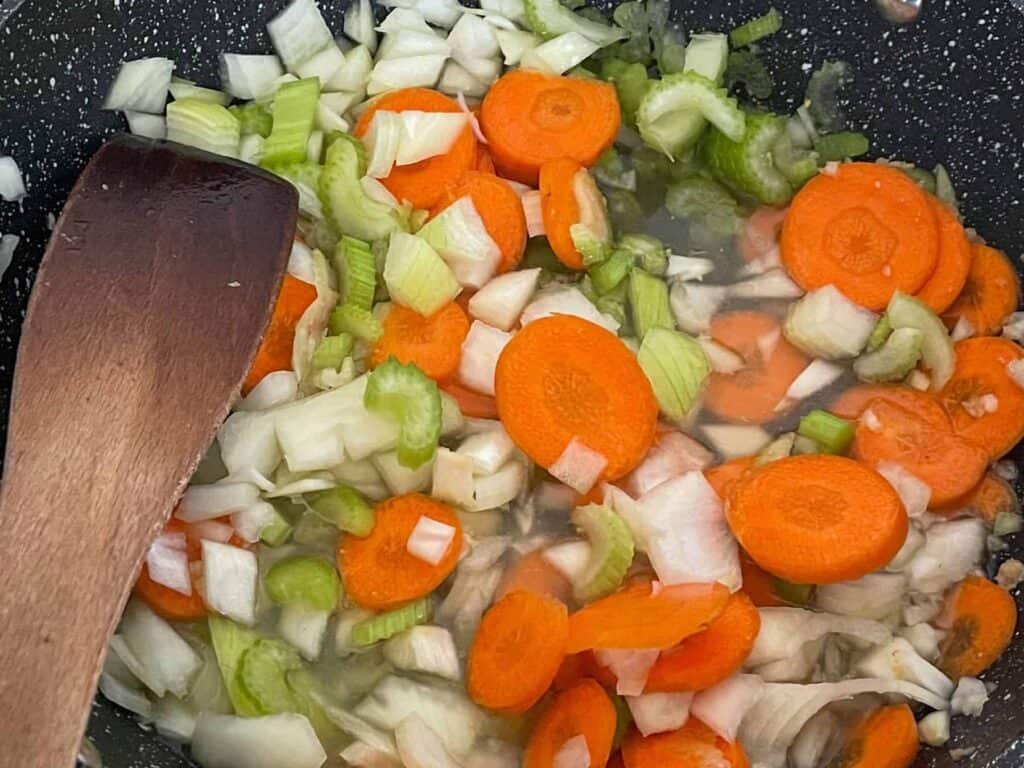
(346, 508)
(309, 580)
(356, 271)
(549, 18)
(388, 624)
(252, 118)
(611, 551)
(404, 393)
(416, 276)
(841, 146)
(897, 357)
(747, 166)
(203, 125)
(331, 351)
(608, 275)
(186, 89)
(649, 253)
(676, 365)
(294, 116)
(755, 29)
(937, 351)
(675, 111)
(831, 433)
(708, 56)
(355, 321)
(648, 302)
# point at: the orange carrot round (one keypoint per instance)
(817, 519)
(563, 378)
(560, 209)
(692, 746)
(433, 344)
(980, 617)
(760, 233)
(517, 651)
(475, 405)
(869, 230)
(583, 710)
(954, 261)
(423, 183)
(992, 292)
(981, 369)
(533, 573)
(771, 364)
(275, 352)
(646, 616)
(991, 498)
(499, 207)
(854, 401)
(484, 161)
(530, 118)
(724, 477)
(885, 738)
(378, 571)
(707, 658)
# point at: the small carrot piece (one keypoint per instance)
(579, 666)
(167, 602)
(530, 118)
(692, 746)
(724, 477)
(990, 499)
(869, 230)
(954, 261)
(517, 651)
(645, 616)
(707, 658)
(433, 344)
(583, 710)
(275, 352)
(817, 519)
(378, 571)
(885, 738)
(484, 161)
(771, 364)
(760, 235)
(854, 401)
(992, 292)
(980, 617)
(499, 207)
(759, 585)
(563, 378)
(474, 405)
(560, 209)
(533, 573)
(423, 183)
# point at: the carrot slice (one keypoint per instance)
(771, 364)
(583, 710)
(991, 498)
(869, 230)
(530, 118)
(517, 651)
(378, 571)
(854, 401)
(499, 207)
(954, 261)
(560, 209)
(275, 352)
(484, 161)
(707, 658)
(992, 292)
(817, 519)
(434, 344)
(423, 183)
(759, 585)
(692, 746)
(563, 378)
(644, 616)
(533, 573)
(981, 618)
(760, 233)
(981, 370)
(885, 738)
(723, 478)
(579, 666)
(475, 405)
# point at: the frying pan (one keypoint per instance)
(947, 89)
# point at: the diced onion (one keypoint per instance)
(774, 284)
(962, 330)
(686, 268)
(914, 492)
(304, 628)
(274, 741)
(452, 479)
(969, 698)
(1015, 370)
(410, 72)
(514, 43)
(456, 80)
(672, 455)
(430, 540)
(579, 466)
(694, 305)
(249, 76)
(274, 389)
(814, 378)
(425, 649)
(480, 352)
(382, 141)
(203, 502)
(211, 530)
(131, 699)
(404, 18)
(229, 581)
(874, 596)
(570, 558)
(440, 13)
(358, 24)
(723, 707)
(493, 491)
(502, 300)
(488, 449)
(630, 668)
(149, 126)
(736, 440)
(899, 661)
(459, 235)
(951, 550)
(808, 750)
(168, 566)
(560, 54)
(573, 754)
(141, 86)
(534, 217)
(298, 32)
(784, 631)
(722, 359)
(247, 440)
(826, 324)
(166, 661)
(933, 729)
(420, 746)
(660, 712)
(566, 300)
(250, 522)
(472, 38)
(8, 243)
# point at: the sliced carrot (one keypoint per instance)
(499, 207)
(378, 571)
(169, 603)
(980, 617)
(580, 666)
(760, 235)
(563, 378)
(583, 710)
(692, 746)
(760, 586)
(950, 465)
(854, 401)
(484, 161)
(433, 343)
(885, 738)
(533, 573)
(990, 499)
(724, 477)
(517, 651)
(646, 616)
(868, 229)
(771, 364)
(530, 118)
(981, 369)
(423, 183)
(560, 209)
(954, 261)
(817, 519)
(275, 352)
(475, 405)
(707, 658)
(992, 292)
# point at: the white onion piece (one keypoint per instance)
(736, 440)
(298, 32)
(404, 18)
(672, 455)
(1015, 370)
(814, 378)
(480, 353)
(459, 235)
(202, 502)
(723, 707)
(304, 628)
(247, 439)
(826, 324)
(456, 80)
(381, 142)
(420, 746)
(532, 210)
(472, 38)
(427, 134)
(573, 754)
(471, 119)
(925, 639)
(784, 631)
(141, 86)
(560, 54)
(579, 466)
(630, 667)
(409, 72)
(275, 741)
(399, 479)
(7, 245)
(722, 359)
(913, 492)
(875, 596)
(962, 330)
(249, 76)
(425, 649)
(301, 263)
(323, 65)
(502, 300)
(452, 478)
(488, 449)
(358, 24)
(951, 550)
(809, 747)
(694, 305)
(514, 43)
(969, 698)
(686, 268)
(570, 558)
(566, 300)
(167, 661)
(211, 530)
(229, 581)
(774, 284)
(440, 13)
(496, 490)
(250, 522)
(899, 661)
(660, 712)
(380, 741)
(513, 10)
(274, 389)
(471, 593)
(430, 540)
(933, 729)
(149, 126)
(359, 754)
(1013, 327)
(132, 699)
(168, 566)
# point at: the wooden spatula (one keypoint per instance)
(147, 311)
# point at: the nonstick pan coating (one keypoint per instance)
(947, 89)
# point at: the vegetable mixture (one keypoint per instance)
(515, 482)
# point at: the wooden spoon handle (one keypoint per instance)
(146, 314)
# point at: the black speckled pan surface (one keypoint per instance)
(948, 89)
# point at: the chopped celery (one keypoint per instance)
(614, 305)
(279, 529)
(404, 393)
(605, 277)
(358, 322)
(592, 233)
(346, 508)
(611, 551)
(624, 211)
(825, 323)
(252, 118)
(305, 177)
(388, 624)
(676, 365)
(822, 96)
(309, 580)
(263, 674)
(356, 271)
(919, 176)
(892, 361)
(831, 433)
(461, 239)
(332, 351)
(747, 166)
(803, 446)
(779, 448)
(944, 189)
(593, 249)
(755, 29)
(631, 85)
(708, 56)
(704, 200)
(669, 49)
(840, 146)
(746, 69)
(648, 302)
(798, 165)
(416, 276)
(612, 172)
(230, 642)
(294, 112)
(674, 112)
(539, 255)
(203, 125)
(649, 253)
(879, 334)
(549, 18)
(937, 351)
